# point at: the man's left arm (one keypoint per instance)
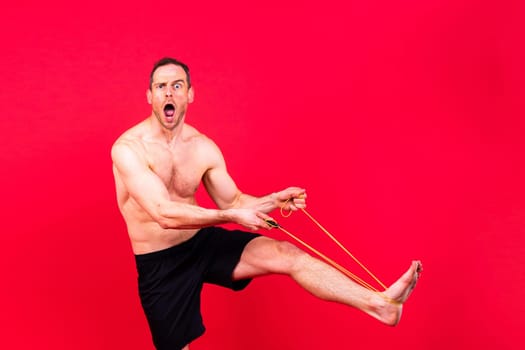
(291, 198)
(225, 193)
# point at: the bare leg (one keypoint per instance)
(264, 256)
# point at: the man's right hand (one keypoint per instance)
(249, 218)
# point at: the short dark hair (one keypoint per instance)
(167, 61)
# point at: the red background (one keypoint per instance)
(403, 120)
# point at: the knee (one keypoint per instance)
(290, 254)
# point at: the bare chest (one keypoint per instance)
(179, 169)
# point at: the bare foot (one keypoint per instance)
(387, 306)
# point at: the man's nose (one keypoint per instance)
(168, 91)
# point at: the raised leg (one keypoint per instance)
(264, 256)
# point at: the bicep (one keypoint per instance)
(142, 184)
(220, 185)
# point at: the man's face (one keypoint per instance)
(169, 95)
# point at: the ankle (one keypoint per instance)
(385, 309)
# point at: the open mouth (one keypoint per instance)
(169, 110)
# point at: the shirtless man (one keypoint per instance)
(158, 166)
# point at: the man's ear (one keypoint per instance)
(149, 96)
(191, 95)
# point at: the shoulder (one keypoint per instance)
(199, 141)
(203, 148)
(129, 144)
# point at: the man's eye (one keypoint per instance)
(177, 86)
(161, 86)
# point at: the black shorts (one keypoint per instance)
(170, 282)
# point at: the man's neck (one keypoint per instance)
(168, 136)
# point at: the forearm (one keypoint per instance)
(186, 216)
(264, 204)
(291, 198)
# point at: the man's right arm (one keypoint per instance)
(147, 189)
